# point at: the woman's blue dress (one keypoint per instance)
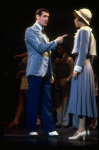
(82, 100)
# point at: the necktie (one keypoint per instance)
(48, 71)
(44, 35)
(43, 31)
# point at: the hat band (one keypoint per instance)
(83, 15)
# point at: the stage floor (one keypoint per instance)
(19, 137)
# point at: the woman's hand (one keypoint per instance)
(75, 74)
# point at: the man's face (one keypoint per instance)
(60, 50)
(43, 19)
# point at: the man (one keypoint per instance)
(39, 72)
(63, 68)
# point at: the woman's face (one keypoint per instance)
(77, 23)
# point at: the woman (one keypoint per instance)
(82, 96)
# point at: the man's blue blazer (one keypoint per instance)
(38, 47)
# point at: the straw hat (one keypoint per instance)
(85, 14)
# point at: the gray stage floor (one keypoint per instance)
(20, 137)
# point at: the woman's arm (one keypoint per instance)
(83, 49)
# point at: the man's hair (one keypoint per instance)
(39, 11)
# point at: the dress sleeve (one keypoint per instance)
(83, 49)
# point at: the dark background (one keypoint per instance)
(19, 16)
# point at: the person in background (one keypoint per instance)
(23, 88)
(82, 100)
(94, 123)
(63, 69)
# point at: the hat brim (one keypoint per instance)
(82, 17)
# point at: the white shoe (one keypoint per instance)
(33, 133)
(53, 133)
(80, 134)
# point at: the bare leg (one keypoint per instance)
(19, 110)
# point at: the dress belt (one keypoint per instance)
(86, 61)
(87, 56)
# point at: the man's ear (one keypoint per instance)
(37, 17)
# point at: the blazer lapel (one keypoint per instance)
(45, 38)
(35, 27)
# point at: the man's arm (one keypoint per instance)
(71, 65)
(21, 55)
(33, 39)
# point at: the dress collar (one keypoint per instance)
(86, 28)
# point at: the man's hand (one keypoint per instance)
(52, 80)
(57, 60)
(60, 39)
